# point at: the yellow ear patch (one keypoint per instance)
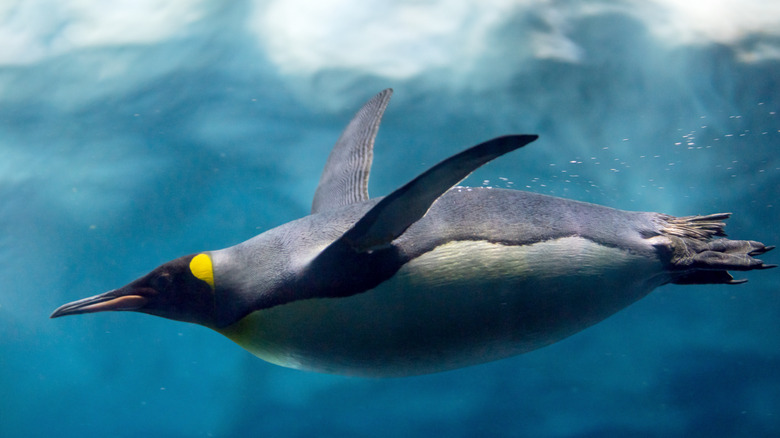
(202, 269)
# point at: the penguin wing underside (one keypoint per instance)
(344, 180)
(387, 220)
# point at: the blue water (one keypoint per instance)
(129, 137)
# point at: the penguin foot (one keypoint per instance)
(696, 261)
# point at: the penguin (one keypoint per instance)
(431, 277)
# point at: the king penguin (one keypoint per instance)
(431, 277)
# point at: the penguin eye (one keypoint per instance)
(162, 281)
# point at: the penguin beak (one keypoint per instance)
(117, 299)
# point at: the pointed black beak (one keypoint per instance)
(116, 299)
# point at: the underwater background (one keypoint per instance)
(134, 132)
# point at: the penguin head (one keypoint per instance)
(182, 289)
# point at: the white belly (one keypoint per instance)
(463, 303)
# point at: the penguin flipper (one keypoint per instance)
(368, 243)
(344, 180)
(397, 211)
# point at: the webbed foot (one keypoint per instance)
(697, 258)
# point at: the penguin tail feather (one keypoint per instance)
(696, 227)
